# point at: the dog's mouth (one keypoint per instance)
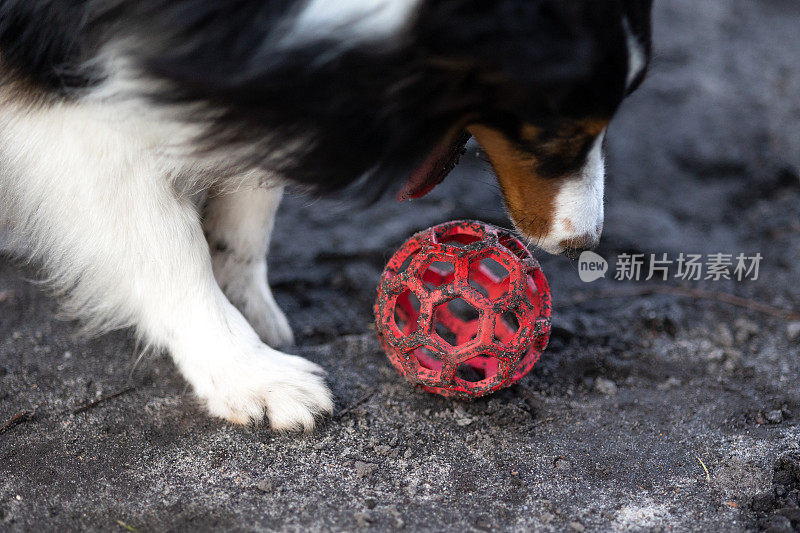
(441, 161)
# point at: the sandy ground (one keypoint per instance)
(614, 428)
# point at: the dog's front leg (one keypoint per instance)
(238, 227)
(237, 376)
(182, 307)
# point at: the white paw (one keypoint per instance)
(290, 390)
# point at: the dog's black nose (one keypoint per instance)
(574, 247)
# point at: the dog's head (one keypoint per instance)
(549, 76)
(332, 92)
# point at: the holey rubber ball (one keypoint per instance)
(463, 309)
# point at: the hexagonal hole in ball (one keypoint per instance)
(477, 369)
(427, 359)
(455, 322)
(506, 327)
(462, 310)
(489, 277)
(438, 273)
(406, 312)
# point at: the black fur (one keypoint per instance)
(370, 111)
(47, 44)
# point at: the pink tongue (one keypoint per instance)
(429, 174)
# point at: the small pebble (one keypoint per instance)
(462, 418)
(724, 336)
(399, 523)
(793, 330)
(363, 519)
(733, 360)
(577, 526)
(744, 330)
(365, 469)
(671, 383)
(383, 450)
(774, 417)
(546, 518)
(605, 386)
(370, 503)
(265, 485)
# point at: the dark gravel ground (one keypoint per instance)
(607, 433)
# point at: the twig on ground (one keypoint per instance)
(126, 526)
(27, 416)
(732, 299)
(17, 419)
(708, 476)
(94, 403)
(358, 403)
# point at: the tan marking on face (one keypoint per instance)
(530, 198)
(530, 133)
(593, 126)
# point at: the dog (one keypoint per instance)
(145, 145)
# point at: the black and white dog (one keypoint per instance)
(144, 145)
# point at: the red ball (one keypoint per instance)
(463, 309)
